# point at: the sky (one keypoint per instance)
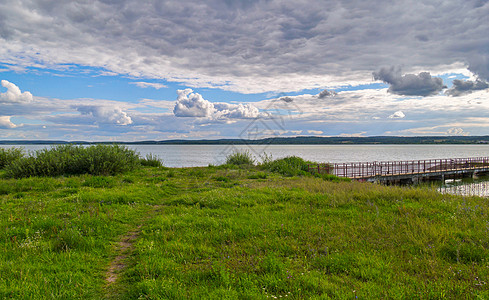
(129, 70)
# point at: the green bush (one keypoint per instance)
(74, 160)
(243, 158)
(8, 156)
(288, 166)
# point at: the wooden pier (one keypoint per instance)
(406, 172)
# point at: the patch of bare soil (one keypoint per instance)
(124, 249)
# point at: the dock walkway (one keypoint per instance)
(412, 171)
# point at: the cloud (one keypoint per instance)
(456, 131)
(13, 94)
(191, 104)
(397, 115)
(422, 84)
(259, 46)
(143, 84)
(461, 87)
(479, 64)
(353, 111)
(105, 115)
(326, 93)
(236, 111)
(357, 134)
(6, 123)
(316, 132)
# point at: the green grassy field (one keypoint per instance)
(237, 233)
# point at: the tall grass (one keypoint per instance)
(243, 158)
(8, 156)
(151, 160)
(73, 160)
(288, 166)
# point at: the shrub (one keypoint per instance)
(151, 160)
(8, 156)
(243, 158)
(288, 166)
(75, 160)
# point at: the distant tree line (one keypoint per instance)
(302, 140)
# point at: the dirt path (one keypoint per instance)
(124, 249)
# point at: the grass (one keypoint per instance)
(239, 233)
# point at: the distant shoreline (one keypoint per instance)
(308, 140)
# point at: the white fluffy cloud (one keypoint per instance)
(190, 104)
(397, 115)
(106, 115)
(6, 123)
(236, 111)
(13, 94)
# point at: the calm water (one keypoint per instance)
(466, 187)
(203, 155)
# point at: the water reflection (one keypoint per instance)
(466, 187)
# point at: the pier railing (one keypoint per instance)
(392, 168)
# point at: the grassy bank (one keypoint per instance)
(237, 232)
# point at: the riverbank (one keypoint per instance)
(229, 232)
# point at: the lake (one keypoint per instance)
(466, 187)
(203, 155)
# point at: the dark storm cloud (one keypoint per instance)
(461, 87)
(287, 99)
(479, 64)
(326, 93)
(422, 84)
(246, 45)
